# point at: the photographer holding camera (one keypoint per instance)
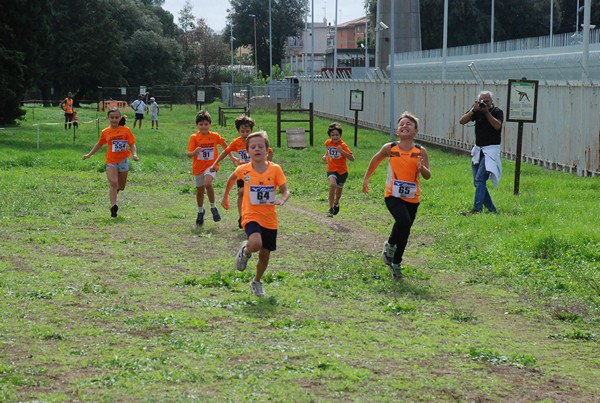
(485, 162)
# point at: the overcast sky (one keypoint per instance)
(214, 12)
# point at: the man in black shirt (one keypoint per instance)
(485, 154)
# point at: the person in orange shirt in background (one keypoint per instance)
(259, 216)
(244, 126)
(117, 155)
(406, 162)
(67, 106)
(202, 148)
(337, 166)
(75, 120)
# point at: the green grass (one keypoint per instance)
(147, 307)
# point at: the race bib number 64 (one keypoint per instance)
(404, 190)
(262, 194)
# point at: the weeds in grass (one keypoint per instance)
(97, 309)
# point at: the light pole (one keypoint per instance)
(231, 38)
(255, 56)
(270, 43)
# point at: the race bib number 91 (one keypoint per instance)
(262, 194)
(118, 146)
(404, 190)
(207, 154)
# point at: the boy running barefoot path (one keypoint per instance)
(259, 215)
(402, 190)
(202, 148)
(337, 166)
(117, 156)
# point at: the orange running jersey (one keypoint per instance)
(336, 162)
(68, 106)
(403, 174)
(259, 194)
(208, 143)
(117, 139)
(238, 146)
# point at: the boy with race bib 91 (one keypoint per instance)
(407, 161)
(117, 155)
(202, 148)
(261, 179)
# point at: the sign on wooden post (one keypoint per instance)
(296, 137)
(522, 107)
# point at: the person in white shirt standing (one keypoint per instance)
(138, 106)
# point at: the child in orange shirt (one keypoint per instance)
(117, 156)
(407, 161)
(337, 166)
(244, 125)
(259, 215)
(202, 148)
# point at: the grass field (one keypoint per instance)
(147, 307)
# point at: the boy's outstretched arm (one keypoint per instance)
(230, 182)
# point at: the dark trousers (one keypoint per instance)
(404, 214)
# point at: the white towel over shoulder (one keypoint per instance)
(493, 165)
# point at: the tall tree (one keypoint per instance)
(287, 19)
(21, 44)
(513, 19)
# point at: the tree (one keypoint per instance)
(21, 44)
(152, 59)
(287, 20)
(513, 19)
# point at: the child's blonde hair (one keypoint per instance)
(262, 134)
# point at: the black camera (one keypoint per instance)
(482, 105)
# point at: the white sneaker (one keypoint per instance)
(257, 288)
(388, 253)
(242, 260)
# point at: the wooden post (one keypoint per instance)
(311, 124)
(518, 158)
(278, 124)
(355, 128)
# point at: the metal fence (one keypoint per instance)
(565, 136)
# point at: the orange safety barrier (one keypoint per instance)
(106, 105)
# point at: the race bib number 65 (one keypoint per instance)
(404, 190)
(262, 194)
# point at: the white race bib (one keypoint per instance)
(118, 146)
(207, 154)
(243, 156)
(262, 194)
(333, 153)
(404, 190)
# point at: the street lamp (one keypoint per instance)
(270, 42)
(231, 39)
(255, 57)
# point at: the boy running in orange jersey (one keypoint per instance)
(407, 161)
(117, 156)
(259, 215)
(244, 125)
(202, 148)
(337, 166)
